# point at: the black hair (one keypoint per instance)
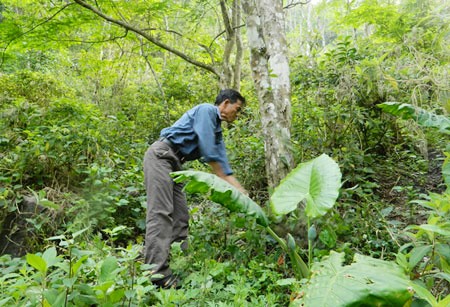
(231, 94)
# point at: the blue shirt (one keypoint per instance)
(198, 133)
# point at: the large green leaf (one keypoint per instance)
(221, 192)
(108, 269)
(317, 182)
(366, 282)
(37, 262)
(421, 116)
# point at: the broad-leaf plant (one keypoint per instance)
(315, 185)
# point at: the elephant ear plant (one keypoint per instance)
(315, 184)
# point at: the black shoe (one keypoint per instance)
(171, 281)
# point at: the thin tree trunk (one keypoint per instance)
(230, 40)
(231, 73)
(239, 48)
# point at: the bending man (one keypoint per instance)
(197, 134)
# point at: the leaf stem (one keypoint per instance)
(300, 268)
(309, 246)
(277, 238)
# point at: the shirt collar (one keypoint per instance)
(218, 113)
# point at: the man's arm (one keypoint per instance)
(217, 168)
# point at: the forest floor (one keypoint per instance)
(401, 186)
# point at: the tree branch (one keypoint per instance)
(222, 33)
(147, 37)
(294, 3)
(226, 19)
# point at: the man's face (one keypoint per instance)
(229, 111)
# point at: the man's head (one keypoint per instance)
(230, 102)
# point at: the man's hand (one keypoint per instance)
(217, 168)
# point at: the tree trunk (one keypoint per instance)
(239, 48)
(231, 75)
(270, 70)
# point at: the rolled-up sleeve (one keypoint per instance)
(210, 142)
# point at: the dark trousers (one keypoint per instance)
(167, 212)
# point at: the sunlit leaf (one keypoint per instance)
(37, 262)
(79, 232)
(76, 266)
(286, 281)
(316, 182)
(49, 204)
(55, 297)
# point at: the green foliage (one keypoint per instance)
(73, 276)
(223, 193)
(446, 171)
(220, 191)
(315, 182)
(84, 274)
(33, 87)
(365, 282)
(343, 69)
(426, 256)
(389, 23)
(67, 147)
(245, 150)
(59, 137)
(308, 181)
(429, 240)
(421, 116)
(371, 281)
(80, 98)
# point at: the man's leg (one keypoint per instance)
(159, 223)
(180, 217)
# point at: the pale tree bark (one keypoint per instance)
(270, 69)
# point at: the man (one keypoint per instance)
(197, 134)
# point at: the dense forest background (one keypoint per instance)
(82, 95)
